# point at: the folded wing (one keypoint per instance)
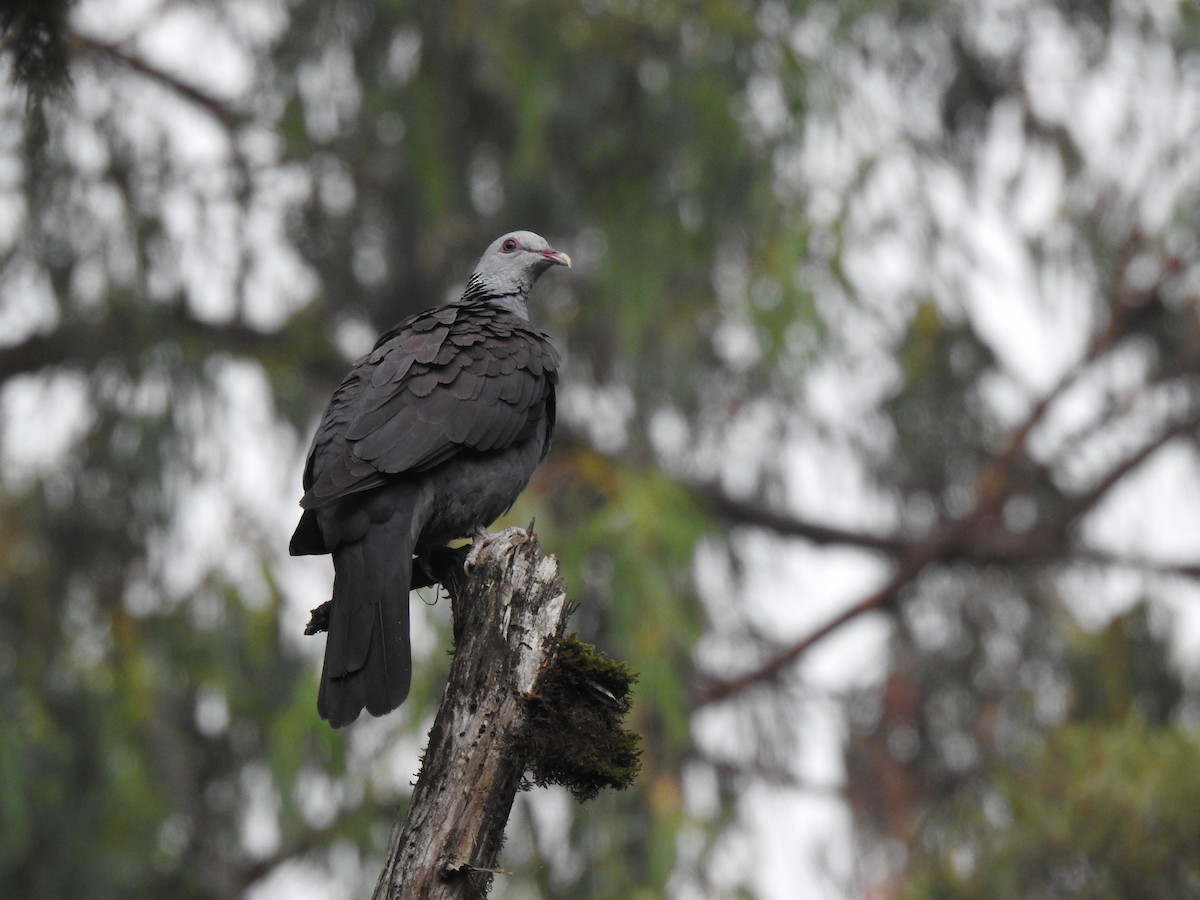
(461, 379)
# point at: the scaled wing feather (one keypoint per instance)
(457, 379)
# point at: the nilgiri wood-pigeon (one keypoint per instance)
(431, 437)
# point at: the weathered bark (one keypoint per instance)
(508, 617)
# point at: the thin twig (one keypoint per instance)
(914, 563)
(745, 512)
(215, 107)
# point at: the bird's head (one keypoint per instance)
(510, 266)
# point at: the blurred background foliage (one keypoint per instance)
(890, 293)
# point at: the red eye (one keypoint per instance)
(509, 245)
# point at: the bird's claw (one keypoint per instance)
(319, 620)
(481, 539)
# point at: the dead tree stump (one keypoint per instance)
(509, 617)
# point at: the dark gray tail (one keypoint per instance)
(367, 659)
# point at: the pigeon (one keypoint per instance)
(431, 437)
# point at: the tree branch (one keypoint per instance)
(1041, 548)
(307, 841)
(1082, 503)
(971, 538)
(128, 330)
(928, 551)
(745, 512)
(215, 107)
(975, 537)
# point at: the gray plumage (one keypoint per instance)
(430, 437)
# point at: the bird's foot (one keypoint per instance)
(319, 620)
(422, 571)
(481, 539)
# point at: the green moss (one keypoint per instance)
(575, 734)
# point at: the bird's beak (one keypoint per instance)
(557, 257)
